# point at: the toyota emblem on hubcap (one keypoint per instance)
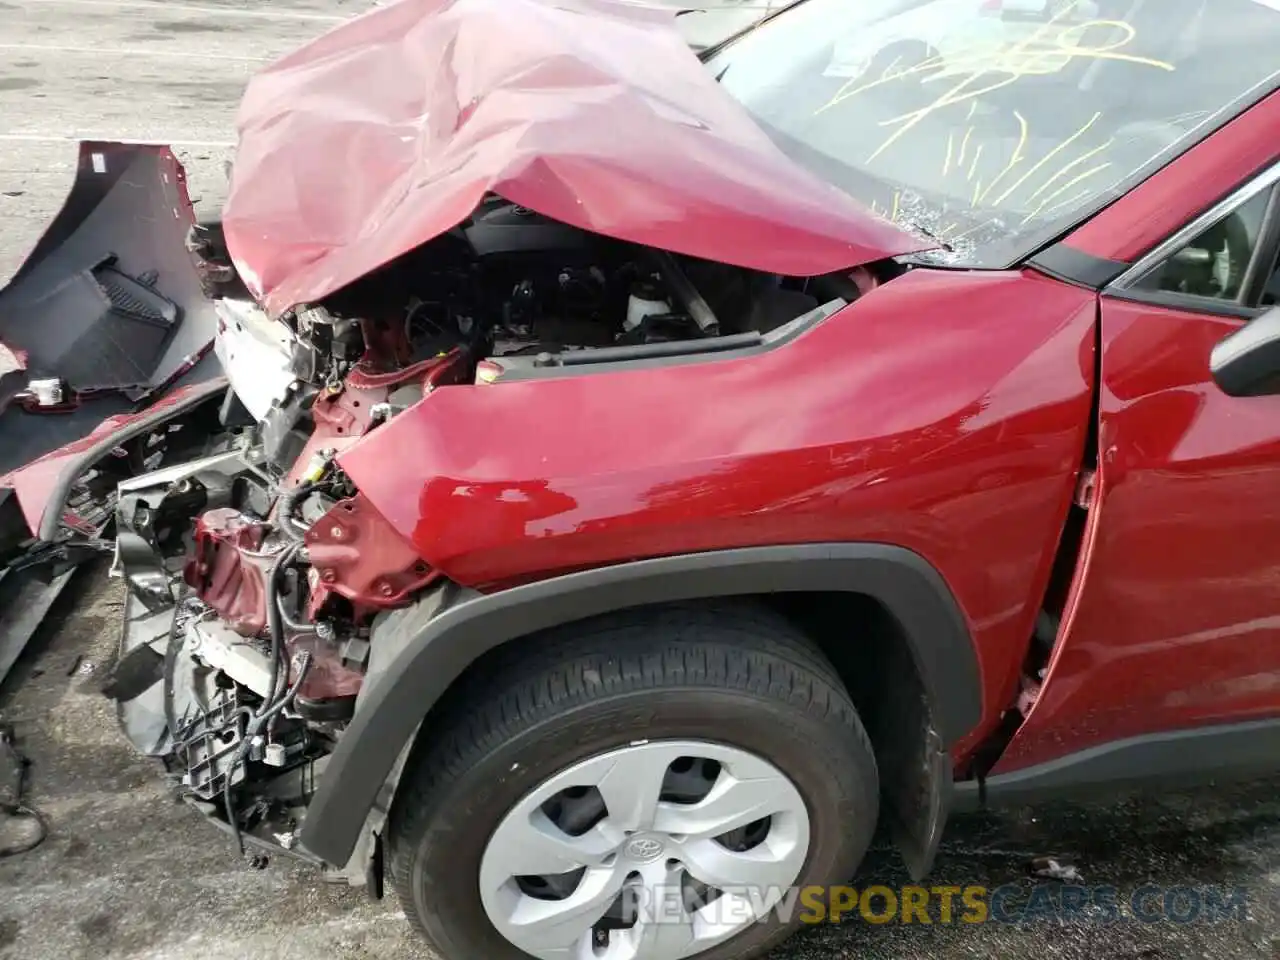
(644, 849)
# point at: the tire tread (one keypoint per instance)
(731, 646)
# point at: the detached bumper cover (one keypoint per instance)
(108, 311)
(111, 304)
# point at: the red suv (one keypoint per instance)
(623, 473)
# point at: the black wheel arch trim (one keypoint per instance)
(454, 634)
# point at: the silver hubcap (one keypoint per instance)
(655, 851)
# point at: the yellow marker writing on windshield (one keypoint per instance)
(973, 167)
(1027, 57)
(1013, 160)
(1065, 187)
(1066, 168)
(1049, 156)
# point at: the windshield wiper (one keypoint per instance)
(706, 53)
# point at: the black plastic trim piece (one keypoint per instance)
(1077, 267)
(650, 351)
(613, 359)
(1265, 252)
(396, 699)
(25, 601)
(163, 411)
(1179, 758)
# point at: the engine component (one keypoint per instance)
(508, 229)
(337, 337)
(285, 506)
(329, 693)
(274, 755)
(645, 301)
(774, 306)
(223, 649)
(687, 294)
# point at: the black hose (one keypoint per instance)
(275, 625)
(284, 511)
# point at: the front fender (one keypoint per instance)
(945, 412)
(420, 651)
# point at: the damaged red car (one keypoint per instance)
(590, 484)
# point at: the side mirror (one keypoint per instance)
(1247, 363)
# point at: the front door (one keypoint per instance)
(1174, 618)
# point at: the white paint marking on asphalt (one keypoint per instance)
(116, 52)
(111, 138)
(114, 138)
(186, 8)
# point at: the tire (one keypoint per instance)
(736, 677)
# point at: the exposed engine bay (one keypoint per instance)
(510, 284)
(267, 574)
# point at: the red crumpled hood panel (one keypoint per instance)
(389, 130)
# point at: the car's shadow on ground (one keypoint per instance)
(1177, 859)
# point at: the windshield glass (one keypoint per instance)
(994, 125)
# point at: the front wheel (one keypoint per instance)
(647, 786)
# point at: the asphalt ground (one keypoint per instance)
(128, 873)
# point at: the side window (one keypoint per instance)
(1215, 264)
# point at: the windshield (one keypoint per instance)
(994, 125)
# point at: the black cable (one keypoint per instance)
(254, 727)
(297, 626)
(284, 511)
(16, 809)
(273, 702)
(275, 625)
(227, 805)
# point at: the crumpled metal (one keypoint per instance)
(389, 131)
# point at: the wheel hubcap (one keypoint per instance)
(656, 851)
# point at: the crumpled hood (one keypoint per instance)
(389, 130)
